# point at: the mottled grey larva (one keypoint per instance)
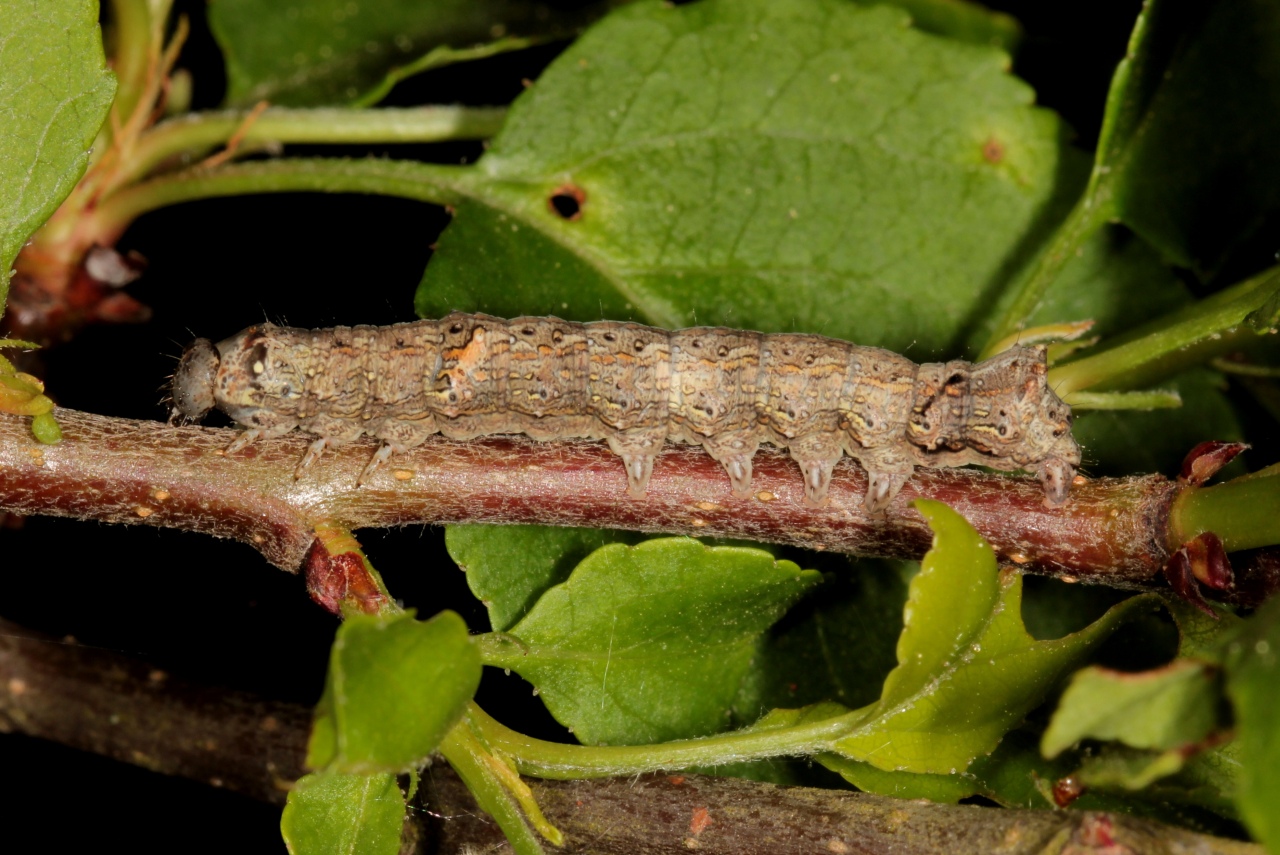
(636, 387)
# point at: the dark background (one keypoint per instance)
(214, 611)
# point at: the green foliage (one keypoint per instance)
(54, 95)
(1228, 321)
(23, 395)
(806, 164)
(651, 642)
(510, 567)
(968, 671)
(1118, 442)
(960, 20)
(334, 814)
(835, 645)
(1165, 708)
(343, 52)
(1159, 730)
(773, 164)
(395, 687)
(1192, 108)
(1190, 112)
(1252, 661)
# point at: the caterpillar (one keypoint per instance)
(636, 387)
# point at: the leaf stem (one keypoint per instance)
(1153, 399)
(133, 29)
(438, 56)
(1244, 369)
(555, 760)
(466, 755)
(1167, 345)
(1090, 212)
(197, 132)
(425, 182)
(1243, 512)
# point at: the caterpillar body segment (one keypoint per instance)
(638, 387)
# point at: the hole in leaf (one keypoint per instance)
(567, 201)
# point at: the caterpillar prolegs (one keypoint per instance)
(636, 387)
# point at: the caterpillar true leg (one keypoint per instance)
(381, 456)
(254, 434)
(314, 450)
(242, 439)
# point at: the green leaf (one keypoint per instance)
(939, 788)
(1165, 708)
(1117, 767)
(652, 642)
(1017, 775)
(769, 164)
(946, 789)
(510, 566)
(968, 670)
(1253, 683)
(54, 95)
(1185, 156)
(837, 645)
(1187, 149)
(336, 814)
(1115, 280)
(1052, 608)
(968, 22)
(46, 429)
(395, 687)
(1199, 635)
(343, 52)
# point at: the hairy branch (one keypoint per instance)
(100, 701)
(112, 705)
(1112, 531)
(117, 470)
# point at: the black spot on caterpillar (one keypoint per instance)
(636, 387)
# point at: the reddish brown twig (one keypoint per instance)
(1112, 530)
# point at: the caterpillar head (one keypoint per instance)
(260, 377)
(192, 387)
(1054, 450)
(251, 377)
(1018, 419)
